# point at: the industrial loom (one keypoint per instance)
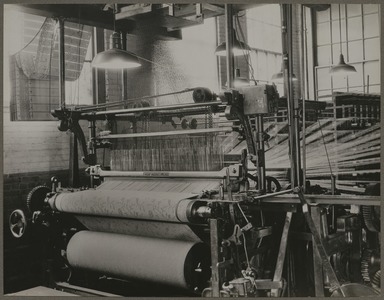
(168, 215)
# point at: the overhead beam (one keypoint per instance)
(91, 15)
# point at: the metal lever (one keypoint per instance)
(333, 281)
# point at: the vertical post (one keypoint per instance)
(98, 74)
(124, 78)
(213, 227)
(229, 43)
(282, 251)
(61, 63)
(73, 162)
(304, 75)
(261, 179)
(317, 263)
(91, 147)
(294, 142)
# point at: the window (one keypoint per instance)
(264, 37)
(360, 46)
(34, 65)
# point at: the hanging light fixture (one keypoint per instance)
(279, 76)
(239, 48)
(239, 81)
(115, 58)
(342, 68)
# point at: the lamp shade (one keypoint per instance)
(239, 48)
(342, 68)
(115, 58)
(279, 77)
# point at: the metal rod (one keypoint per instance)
(318, 242)
(229, 42)
(166, 133)
(125, 101)
(273, 194)
(153, 108)
(124, 72)
(61, 63)
(162, 174)
(303, 76)
(325, 199)
(282, 251)
(261, 177)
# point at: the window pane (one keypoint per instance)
(336, 31)
(374, 89)
(323, 30)
(372, 48)
(373, 70)
(324, 55)
(370, 8)
(371, 26)
(339, 81)
(355, 30)
(356, 79)
(323, 79)
(353, 10)
(355, 51)
(322, 16)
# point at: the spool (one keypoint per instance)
(174, 263)
(202, 94)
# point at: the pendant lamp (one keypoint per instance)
(115, 58)
(239, 48)
(279, 76)
(342, 68)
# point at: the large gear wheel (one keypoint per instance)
(36, 197)
(371, 217)
(371, 214)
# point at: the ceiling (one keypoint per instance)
(165, 20)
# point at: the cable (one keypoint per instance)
(246, 55)
(325, 147)
(111, 104)
(245, 251)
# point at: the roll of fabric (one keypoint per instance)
(143, 205)
(176, 263)
(144, 228)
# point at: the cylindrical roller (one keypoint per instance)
(202, 94)
(144, 228)
(160, 206)
(170, 262)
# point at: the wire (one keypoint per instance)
(246, 55)
(325, 147)
(111, 104)
(245, 251)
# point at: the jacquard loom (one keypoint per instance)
(169, 216)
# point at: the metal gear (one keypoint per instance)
(376, 280)
(365, 265)
(371, 218)
(36, 197)
(371, 214)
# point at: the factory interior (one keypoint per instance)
(192, 150)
